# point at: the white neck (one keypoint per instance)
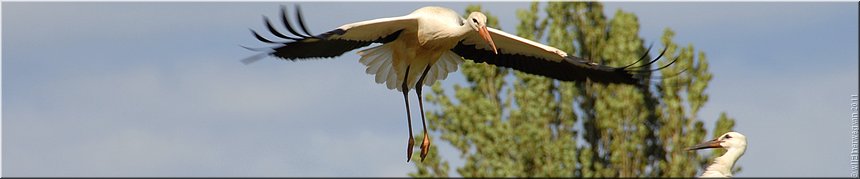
(722, 165)
(463, 30)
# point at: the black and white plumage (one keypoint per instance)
(426, 45)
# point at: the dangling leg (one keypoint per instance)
(425, 144)
(408, 116)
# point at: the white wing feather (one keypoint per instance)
(512, 44)
(376, 28)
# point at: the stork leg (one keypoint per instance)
(408, 116)
(425, 144)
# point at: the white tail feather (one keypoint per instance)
(391, 79)
(374, 65)
(383, 72)
(447, 63)
(379, 63)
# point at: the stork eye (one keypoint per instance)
(475, 20)
(728, 136)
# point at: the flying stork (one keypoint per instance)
(735, 145)
(426, 45)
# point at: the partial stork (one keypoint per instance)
(735, 145)
(424, 46)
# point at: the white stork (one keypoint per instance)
(424, 46)
(735, 145)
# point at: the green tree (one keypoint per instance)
(536, 126)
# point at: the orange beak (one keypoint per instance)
(709, 144)
(486, 35)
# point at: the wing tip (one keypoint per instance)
(254, 58)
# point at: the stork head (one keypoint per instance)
(728, 141)
(478, 22)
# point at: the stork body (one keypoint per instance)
(735, 145)
(414, 53)
(420, 47)
(426, 45)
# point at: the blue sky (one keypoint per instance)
(157, 89)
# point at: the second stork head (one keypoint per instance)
(730, 140)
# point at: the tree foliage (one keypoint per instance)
(538, 127)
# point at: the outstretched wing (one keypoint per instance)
(534, 58)
(332, 43)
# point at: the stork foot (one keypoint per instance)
(409, 149)
(425, 146)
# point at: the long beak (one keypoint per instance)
(709, 144)
(486, 35)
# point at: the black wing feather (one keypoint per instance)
(571, 69)
(319, 46)
(289, 25)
